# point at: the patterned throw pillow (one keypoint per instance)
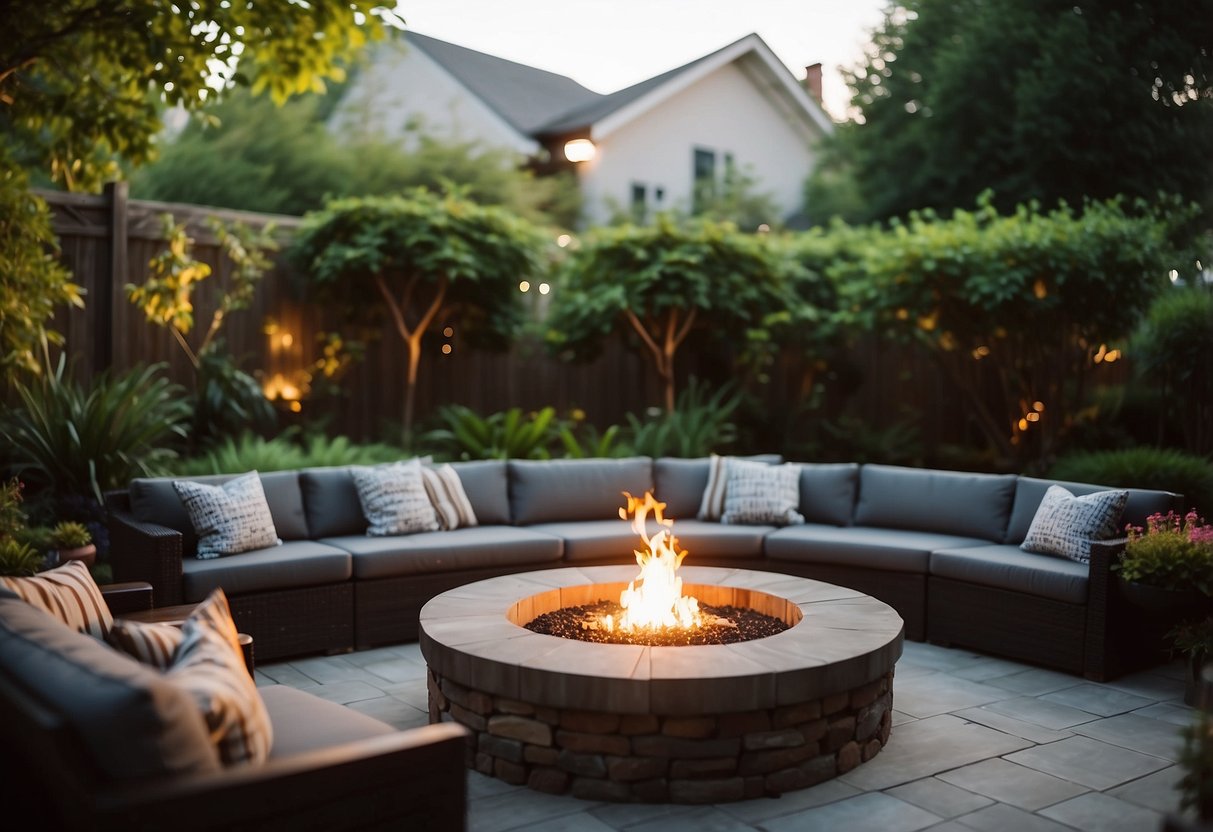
(756, 493)
(448, 498)
(150, 643)
(393, 499)
(1065, 525)
(70, 594)
(229, 518)
(208, 663)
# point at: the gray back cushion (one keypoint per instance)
(487, 485)
(330, 499)
(153, 500)
(1029, 491)
(949, 502)
(680, 482)
(827, 492)
(130, 721)
(551, 491)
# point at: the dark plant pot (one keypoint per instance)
(87, 554)
(1176, 604)
(1197, 691)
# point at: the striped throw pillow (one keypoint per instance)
(712, 505)
(450, 501)
(757, 493)
(70, 594)
(229, 518)
(209, 665)
(151, 643)
(393, 499)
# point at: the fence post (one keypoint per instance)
(111, 278)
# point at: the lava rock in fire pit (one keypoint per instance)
(726, 625)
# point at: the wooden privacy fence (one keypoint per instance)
(108, 240)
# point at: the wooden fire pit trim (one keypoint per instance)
(844, 641)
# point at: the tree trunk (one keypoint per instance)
(410, 385)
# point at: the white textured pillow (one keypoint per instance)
(393, 499)
(450, 501)
(210, 665)
(757, 493)
(229, 518)
(1065, 525)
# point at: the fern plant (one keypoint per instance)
(510, 434)
(699, 424)
(249, 452)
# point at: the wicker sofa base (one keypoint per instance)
(905, 592)
(1012, 624)
(291, 622)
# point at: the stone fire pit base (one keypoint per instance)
(659, 758)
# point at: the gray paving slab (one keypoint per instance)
(325, 669)
(519, 809)
(1003, 818)
(939, 693)
(396, 670)
(986, 667)
(627, 815)
(757, 811)
(1013, 784)
(1035, 682)
(1103, 812)
(1049, 715)
(1157, 791)
(874, 812)
(392, 711)
(1090, 762)
(1158, 684)
(1140, 733)
(284, 674)
(1011, 725)
(1098, 699)
(343, 693)
(929, 746)
(697, 819)
(939, 798)
(899, 717)
(1172, 712)
(581, 822)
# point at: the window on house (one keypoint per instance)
(704, 185)
(640, 201)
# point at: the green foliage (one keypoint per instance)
(12, 517)
(286, 160)
(424, 260)
(510, 434)
(1196, 762)
(584, 441)
(1173, 351)
(18, 559)
(1018, 309)
(77, 440)
(227, 400)
(83, 82)
(1036, 100)
(1162, 469)
(699, 424)
(662, 281)
(33, 284)
(287, 451)
(1170, 552)
(832, 189)
(69, 535)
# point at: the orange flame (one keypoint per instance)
(657, 601)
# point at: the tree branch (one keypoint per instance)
(393, 307)
(686, 328)
(644, 333)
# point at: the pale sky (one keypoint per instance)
(606, 45)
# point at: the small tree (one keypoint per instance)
(664, 280)
(423, 259)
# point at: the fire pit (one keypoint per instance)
(631, 722)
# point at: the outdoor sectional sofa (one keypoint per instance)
(941, 547)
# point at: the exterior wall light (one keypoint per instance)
(579, 150)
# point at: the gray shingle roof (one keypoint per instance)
(526, 97)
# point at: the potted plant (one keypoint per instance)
(1167, 567)
(72, 541)
(1193, 639)
(17, 556)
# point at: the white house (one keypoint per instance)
(643, 148)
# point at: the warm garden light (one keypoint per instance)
(544, 288)
(579, 150)
(563, 240)
(524, 286)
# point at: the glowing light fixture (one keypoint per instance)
(579, 150)
(544, 288)
(524, 286)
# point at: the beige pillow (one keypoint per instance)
(70, 594)
(450, 501)
(150, 643)
(210, 665)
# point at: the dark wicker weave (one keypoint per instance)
(903, 591)
(291, 622)
(144, 552)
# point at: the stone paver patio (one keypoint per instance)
(979, 743)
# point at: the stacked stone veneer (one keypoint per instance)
(668, 757)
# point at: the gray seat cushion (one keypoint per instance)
(478, 547)
(154, 500)
(297, 563)
(488, 490)
(949, 502)
(330, 499)
(893, 550)
(303, 722)
(1029, 491)
(679, 483)
(130, 720)
(553, 491)
(827, 492)
(704, 538)
(595, 540)
(1009, 567)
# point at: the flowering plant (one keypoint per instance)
(1172, 551)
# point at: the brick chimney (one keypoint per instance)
(812, 81)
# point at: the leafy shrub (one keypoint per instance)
(583, 441)
(17, 558)
(250, 452)
(1170, 552)
(699, 424)
(1143, 467)
(506, 435)
(228, 400)
(72, 439)
(69, 535)
(1171, 351)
